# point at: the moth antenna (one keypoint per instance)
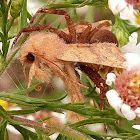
(62, 72)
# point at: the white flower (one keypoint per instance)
(126, 11)
(121, 108)
(132, 53)
(128, 113)
(136, 127)
(114, 100)
(137, 111)
(132, 46)
(110, 78)
(132, 61)
(121, 7)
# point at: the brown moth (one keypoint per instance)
(58, 51)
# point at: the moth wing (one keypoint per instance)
(97, 53)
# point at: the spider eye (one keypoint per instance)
(30, 57)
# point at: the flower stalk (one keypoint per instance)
(66, 130)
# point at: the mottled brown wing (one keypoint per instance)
(98, 53)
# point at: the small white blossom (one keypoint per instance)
(137, 111)
(136, 127)
(121, 7)
(122, 109)
(110, 78)
(128, 113)
(114, 100)
(132, 53)
(126, 11)
(132, 61)
(132, 46)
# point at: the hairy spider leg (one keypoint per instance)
(96, 29)
(72, 31)
(83, 36)
(100, 83)
(60, 33)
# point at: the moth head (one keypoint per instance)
(39, 68)
(28, 59)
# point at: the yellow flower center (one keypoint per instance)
(135, 84)
(138, 18)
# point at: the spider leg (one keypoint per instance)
(83, 36)
(60, 33)
(96, 29)
(99, 82)
(70, 23)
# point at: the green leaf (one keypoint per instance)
(39, 134)
(26, 133)
(120, 31)
(2, 37)
(91, 133)
(22, 112)
(24, 13)
(137, 137)
(3, 113)
(92, 121)
(3, 130)
(12, 21)
(63, 137)
(117, 128)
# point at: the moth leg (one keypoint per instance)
(74, 91)
(83, 36)
(60, 33)
(96, 29)
(72, 31)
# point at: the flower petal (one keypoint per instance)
(133, 61)
(111, 94)
(131, 46)
(110, 78)
(137, 111)
(128, 113)
(114, 101)
(136, 127)
(127, 12)
(112, 6)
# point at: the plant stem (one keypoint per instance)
(53, 127)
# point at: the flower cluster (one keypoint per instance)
(126, 10)
(135, 3)
(125, 98)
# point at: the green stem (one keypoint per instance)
(65, 130)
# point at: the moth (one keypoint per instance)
(58, 52)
